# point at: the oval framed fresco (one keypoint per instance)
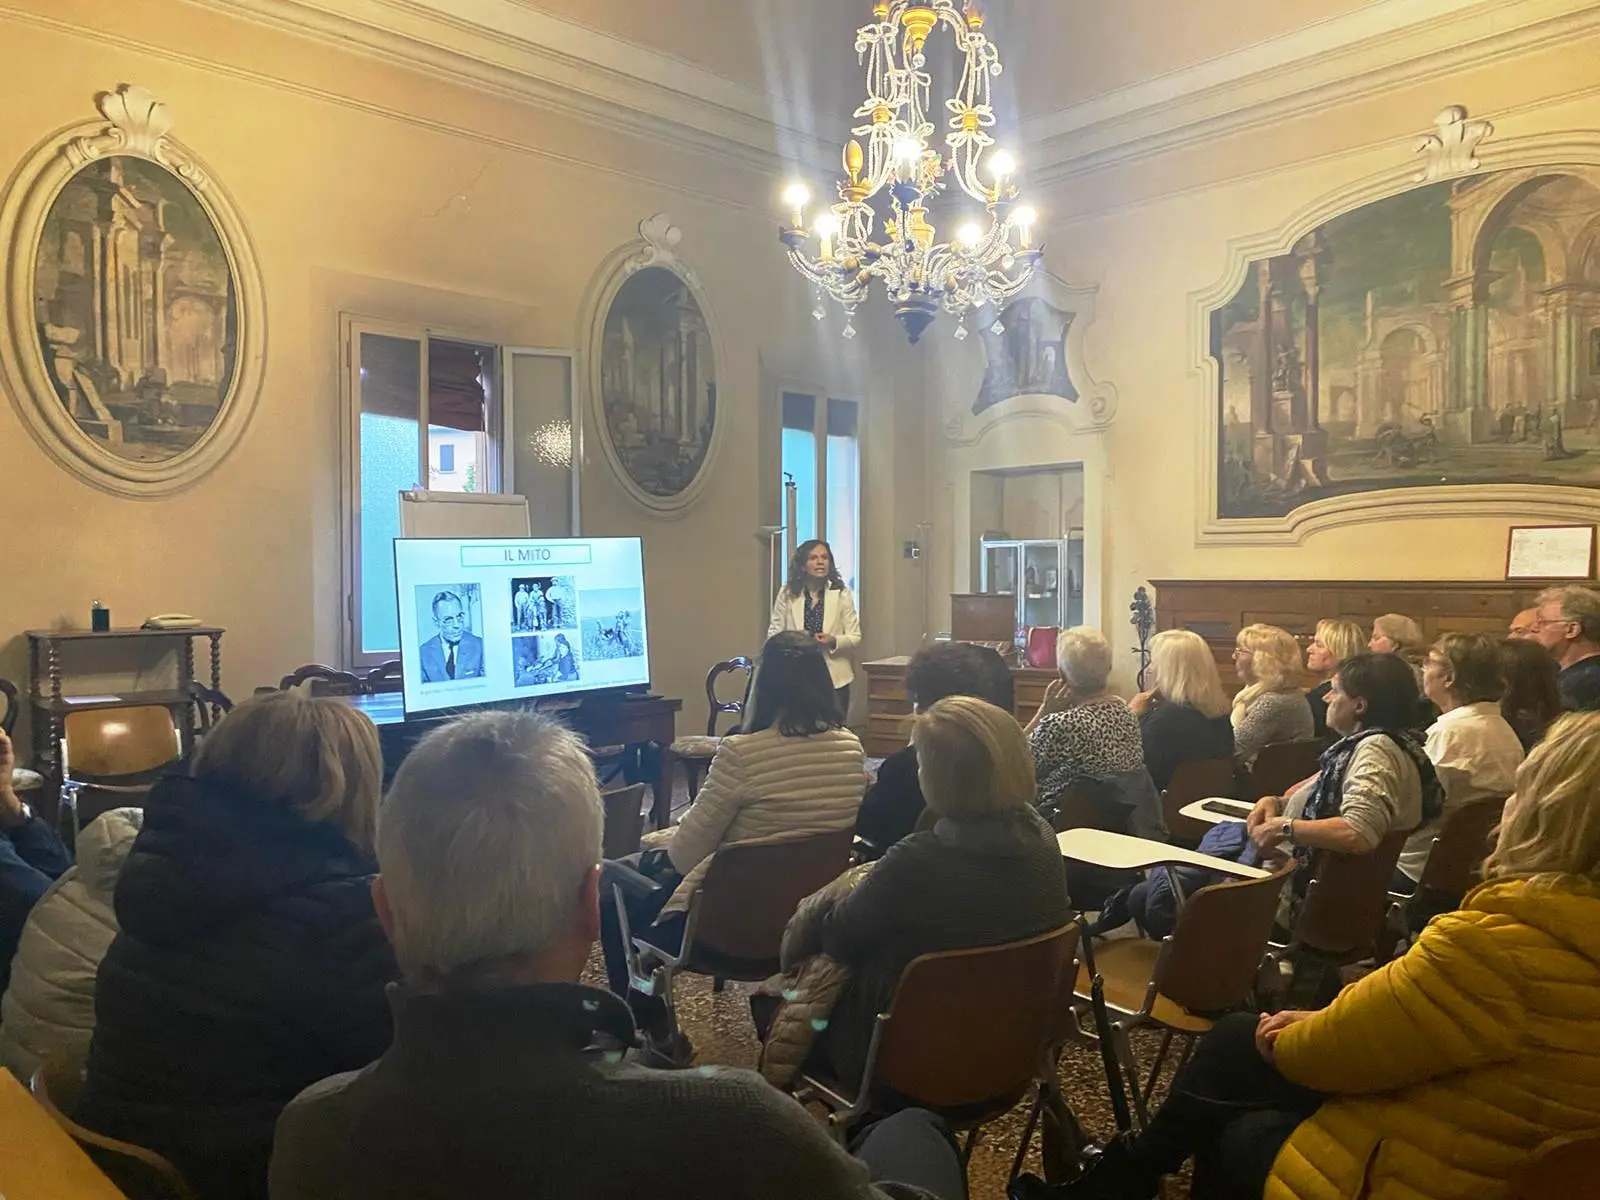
(653, 355)
(134, 322)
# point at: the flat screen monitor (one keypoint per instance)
(485, 620)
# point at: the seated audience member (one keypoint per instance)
(1533, 695)
(1569, 628)
(1522, 625)
(1083, 732)
(1394, 633)
(249, 961)
(1437, 1076)
(32, 858)
(794, 771)
(1335, 641)
(1375, 779)
(1474, 751)
(508, 1079)
(47, 1012)
(1270, 708)
(1185, 714)
(989, 871)
(894, 802)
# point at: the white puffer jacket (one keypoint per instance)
(766, 787)
(48, 1011)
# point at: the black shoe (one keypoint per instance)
(674, 1052)
(1111, 1174)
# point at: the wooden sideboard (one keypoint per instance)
(1217, 609)
(889, 708)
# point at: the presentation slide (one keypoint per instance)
(491, 619)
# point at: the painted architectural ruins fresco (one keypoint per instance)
(136, 309)
(1448, 335)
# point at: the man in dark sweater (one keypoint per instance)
(508, 1079)
(1568, 626)
(894, 803)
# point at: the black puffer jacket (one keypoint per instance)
(250, 964)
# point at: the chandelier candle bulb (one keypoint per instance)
(796, 196)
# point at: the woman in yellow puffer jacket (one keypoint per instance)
(1437, 1076)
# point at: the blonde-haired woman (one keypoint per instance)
(989, 871)
(1082, 731)
(1439, 1075)
(1185, 714)
(1334, 641)
(249, 962)
(1270, 708)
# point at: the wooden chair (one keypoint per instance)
(1562, 1167)
(319, 680)
(1340, 917)
(1084, 805)
(11, 709)
(1197, 779)
(385, 678)
(111, 756)
(964, 1036)
(1207, 967)
(139, 1173)
(1454, 867)
(695, 753)
(624, 820)
(1280, 766)
(737, 916)
(210, 706)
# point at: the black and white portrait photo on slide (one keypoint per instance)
(450, 621)
(544, 659)
(544, 602)
(613, 623)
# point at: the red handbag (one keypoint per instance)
(1040, 648)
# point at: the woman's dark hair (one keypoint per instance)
(799, 576)
(791, 688)
(1388, 685)
(1533, 698)
(959, 669)
(562, 644)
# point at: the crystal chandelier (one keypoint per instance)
(989, 260)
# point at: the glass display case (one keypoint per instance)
(1046, 577)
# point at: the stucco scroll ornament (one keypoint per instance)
(139, 124)
(658, 246)
(1452, 148)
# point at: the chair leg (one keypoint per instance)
(693, 773)
(1034, 1113)
(1161, 1057)
(966, 1150)
(718, 984)
(1130, 1069)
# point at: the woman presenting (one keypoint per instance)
(816, 601)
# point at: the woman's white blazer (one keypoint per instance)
(838, 618)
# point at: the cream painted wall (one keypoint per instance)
(1153, 234)
(386, 193)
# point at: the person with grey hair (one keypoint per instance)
(1567, 624)
(507, 1078)
(1084, 733)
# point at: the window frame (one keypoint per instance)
(821, 395)
(508, 448)
(352, 326)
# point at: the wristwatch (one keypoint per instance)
(25, 814)
(1287, 829)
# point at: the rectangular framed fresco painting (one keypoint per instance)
(1446, 336)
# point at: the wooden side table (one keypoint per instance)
(52, 697)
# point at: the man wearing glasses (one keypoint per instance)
(455, 652)
(1568, 626)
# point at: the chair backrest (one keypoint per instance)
(1455, 864)
(1562, 1167)
(1215, 951)
(966, 1028)
(718, 707)
(8, 714)
(324, 681)
(752, 889)
(1347, 897)
(110, 742)
(624, 820)
(1280, 766)
(139, 1173)
(209, 704)
(1085, 805)
(385, 678)
(1197, 779)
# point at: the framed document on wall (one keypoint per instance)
(1550, 552)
